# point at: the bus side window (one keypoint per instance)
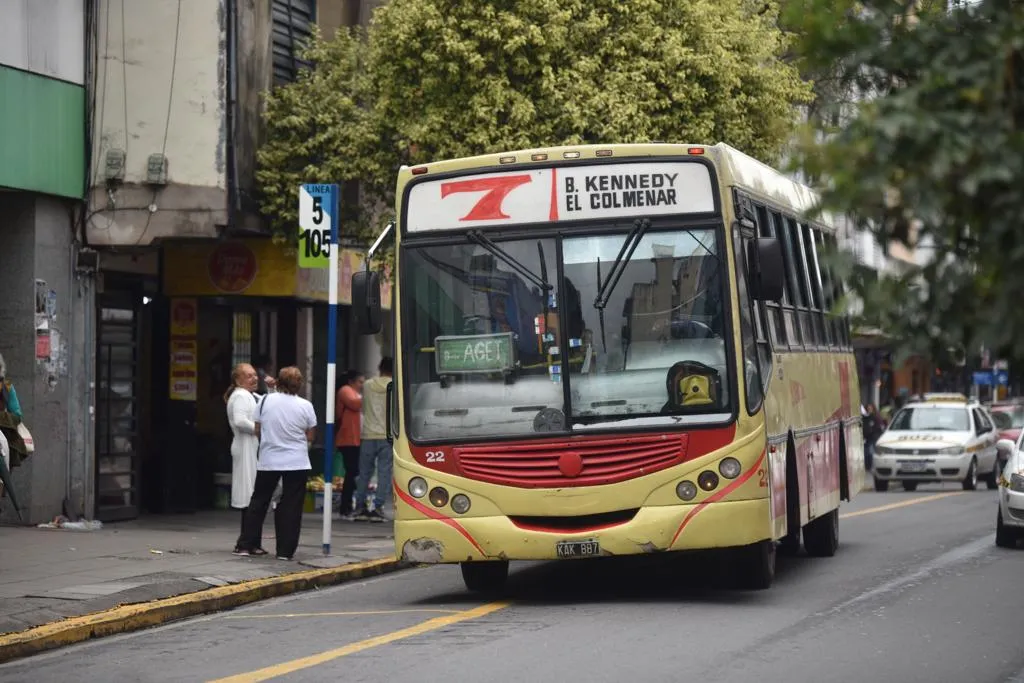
(754, 371)
(771, 310)
(817, 303)
(791, 297)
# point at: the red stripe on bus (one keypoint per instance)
(434, 514)
(553, 214)
(718, 496)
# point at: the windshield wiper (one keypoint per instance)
(487, 243)
(606, 287)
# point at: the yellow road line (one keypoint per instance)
(901, 504)
(378, 612)
(306, 662)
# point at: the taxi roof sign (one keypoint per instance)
(945, 398)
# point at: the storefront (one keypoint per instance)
(223, 303)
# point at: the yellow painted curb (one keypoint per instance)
(127, 618)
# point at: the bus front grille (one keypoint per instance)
(571, 463)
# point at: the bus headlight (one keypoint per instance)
(438, 497)
(707, 480)
(730, 468)
(460, 503)
(417, 487)
(686, 490)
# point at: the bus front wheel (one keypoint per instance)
(485, 577)
(757, 565)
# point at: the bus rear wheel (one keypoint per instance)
(821, 536)
(485, 577)
(756, 565)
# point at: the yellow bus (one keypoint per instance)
(614, 350)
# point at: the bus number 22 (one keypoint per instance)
(435, 456)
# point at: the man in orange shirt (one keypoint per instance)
(348, 408)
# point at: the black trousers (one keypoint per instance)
(350, 457)
(287, 515)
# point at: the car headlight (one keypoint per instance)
(884, 450)
(1017, 483)
(952, 450)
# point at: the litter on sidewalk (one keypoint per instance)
(62, 522)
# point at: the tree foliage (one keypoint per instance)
(457, 78)
(449, 78)
(933, 159)
(318, 130)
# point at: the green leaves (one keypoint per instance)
(437, 79)
(934, 160)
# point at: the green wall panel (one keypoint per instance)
(42, 134)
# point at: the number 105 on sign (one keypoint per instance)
(317, 223)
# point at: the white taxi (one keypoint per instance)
(1010, 520)
(942, 438)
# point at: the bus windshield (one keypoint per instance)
(485, 324)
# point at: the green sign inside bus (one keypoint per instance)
(474, 353)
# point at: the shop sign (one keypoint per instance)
(184, 370)
(246, 267)
(232, 267)
(184, 316)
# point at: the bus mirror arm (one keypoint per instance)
(766, 269)
(366, 303)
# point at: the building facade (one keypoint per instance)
(136, 265)
(45, 276)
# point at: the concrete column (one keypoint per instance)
(304, 348)
(51, 377)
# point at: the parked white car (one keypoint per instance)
(939, 439)
(1010, 520)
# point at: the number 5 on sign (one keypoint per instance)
(318, 207)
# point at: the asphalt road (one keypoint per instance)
(917, 592)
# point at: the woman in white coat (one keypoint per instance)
(244, 444)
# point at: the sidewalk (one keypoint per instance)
(47, 575)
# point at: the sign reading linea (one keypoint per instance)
(567, 193)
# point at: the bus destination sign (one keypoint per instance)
(557, 194)
(475, 353)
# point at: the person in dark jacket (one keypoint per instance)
(873, 428)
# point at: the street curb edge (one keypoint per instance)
(128, 618)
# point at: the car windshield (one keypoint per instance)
(484, 323)
(1009, 418)
(943, 419)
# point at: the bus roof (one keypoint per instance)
(735, 169)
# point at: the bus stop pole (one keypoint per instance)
(332, 339)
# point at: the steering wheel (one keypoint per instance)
(549, 420)
(692, 329)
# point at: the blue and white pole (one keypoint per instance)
(318, 248)
(332, 370)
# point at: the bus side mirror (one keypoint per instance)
(366, 312)
(767, 271)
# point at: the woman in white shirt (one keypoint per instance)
(244, 443)
(285, 425)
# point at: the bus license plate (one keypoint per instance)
(569, 549)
